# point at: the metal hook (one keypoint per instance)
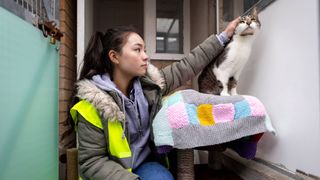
(58, 47)
(44, 32)
(48, 28)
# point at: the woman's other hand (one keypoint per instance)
(231, 27)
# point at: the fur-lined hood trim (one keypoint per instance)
(104, 103)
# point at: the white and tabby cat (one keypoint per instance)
(221, 76)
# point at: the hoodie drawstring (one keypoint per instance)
(124, 120)
(138, 116)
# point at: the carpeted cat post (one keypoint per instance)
(185, 164)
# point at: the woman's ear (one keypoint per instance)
(113, 55)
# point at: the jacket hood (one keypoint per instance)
(103, 102)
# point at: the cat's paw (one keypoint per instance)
(234, 94)
(224, 94)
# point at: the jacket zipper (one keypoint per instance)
(139, 121)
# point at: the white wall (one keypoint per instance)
(88, 21)
(84, 28)
(283, 73)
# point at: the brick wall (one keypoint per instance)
(67, 77)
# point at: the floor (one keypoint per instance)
(203, 172)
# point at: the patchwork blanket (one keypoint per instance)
(190, 119)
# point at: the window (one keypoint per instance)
(167, 28)
(169, 37)
(227, 10)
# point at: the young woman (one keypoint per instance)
(118, 94)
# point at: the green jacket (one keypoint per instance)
(94, 162)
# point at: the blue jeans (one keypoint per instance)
(153, 171)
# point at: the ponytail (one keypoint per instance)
(95, 59)
(94, 62)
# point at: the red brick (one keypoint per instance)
(66, 73)
(68, 52)
(65, 95)
(66, 84)
(68, 62)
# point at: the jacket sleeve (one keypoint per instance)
(93, 160)
(178, 73)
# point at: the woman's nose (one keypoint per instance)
(145, 56)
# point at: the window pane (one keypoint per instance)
(247, 4)
(230, 9)
(169, 37)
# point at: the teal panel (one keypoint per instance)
(28, 103)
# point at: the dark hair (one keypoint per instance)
(96, 59)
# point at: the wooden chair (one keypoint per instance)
(72, 164)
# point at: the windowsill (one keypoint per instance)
(167, 56)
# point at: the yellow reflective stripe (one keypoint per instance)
(87, 111)
(118, 147)
(130, 169)
(124, 154)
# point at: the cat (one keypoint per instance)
(220, 77)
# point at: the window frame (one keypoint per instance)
(260, 5)
(150, 31)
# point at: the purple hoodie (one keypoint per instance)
(136, 115)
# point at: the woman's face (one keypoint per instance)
(133, 59)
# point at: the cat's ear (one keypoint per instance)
(254, 12)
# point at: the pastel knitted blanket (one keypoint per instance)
(190, 119)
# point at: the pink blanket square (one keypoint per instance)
(257, 108)
(177, 115)
(223, 112)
